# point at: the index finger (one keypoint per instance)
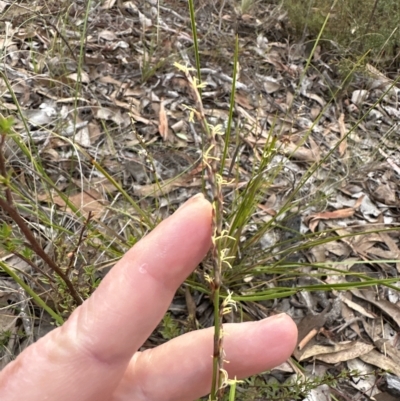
(136, 293)
(86, 357)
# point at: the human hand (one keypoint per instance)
(93, 356)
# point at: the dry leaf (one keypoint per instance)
(391, 244)
(307, 328)
(375, 358)
(388, 349)
(297, 152)
(271, 85)
(314, 149)
(357, 350)
(83, 76)
(45, 114)
(358, 96)
(337, 214)
(317, 349)
(355, 306)
(115, 115)
(393, 311)
(163, 121)
(349, 318)
(160, 189)
(312, 220)
(88, 201)
(108, 4)
(3, 5)
(243, 100)
(107, 35)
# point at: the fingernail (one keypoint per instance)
(279, 316)
(193, 199)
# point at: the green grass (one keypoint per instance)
(355, 28)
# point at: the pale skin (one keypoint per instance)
(93, 356)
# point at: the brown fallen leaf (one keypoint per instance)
(386, 194)
(391, 244)
(87, 201)
(307, 329)
(392, 310)
(108, 4)
(350, 320)
(297, 152)
(314, 149)
(379, 360)
(156, 190)
(357, 307)
(337, 214)
(357, 350)
(388, 349)
(312, 219)
(319, 350)
(163, 121)
(243, 100)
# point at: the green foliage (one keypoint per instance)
(357, 27)
(9, 240)
(4, 338)
(257, 388)
(246, 6)
(5, 232)
(6, 124)
(169, 327)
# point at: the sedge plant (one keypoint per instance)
(245, 271)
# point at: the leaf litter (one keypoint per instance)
(129, 108)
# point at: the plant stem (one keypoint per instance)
(195, 40)
(8, 205)
(231, 105)
(39, 301)
(13, 213)
(217, 202)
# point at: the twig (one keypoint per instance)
(33, 265)
(15, 216)
(9, 207)
(80, 241)
(59, 34)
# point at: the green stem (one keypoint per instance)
(195, 41)
(39, 301)
(216, 357)
(231, 105)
